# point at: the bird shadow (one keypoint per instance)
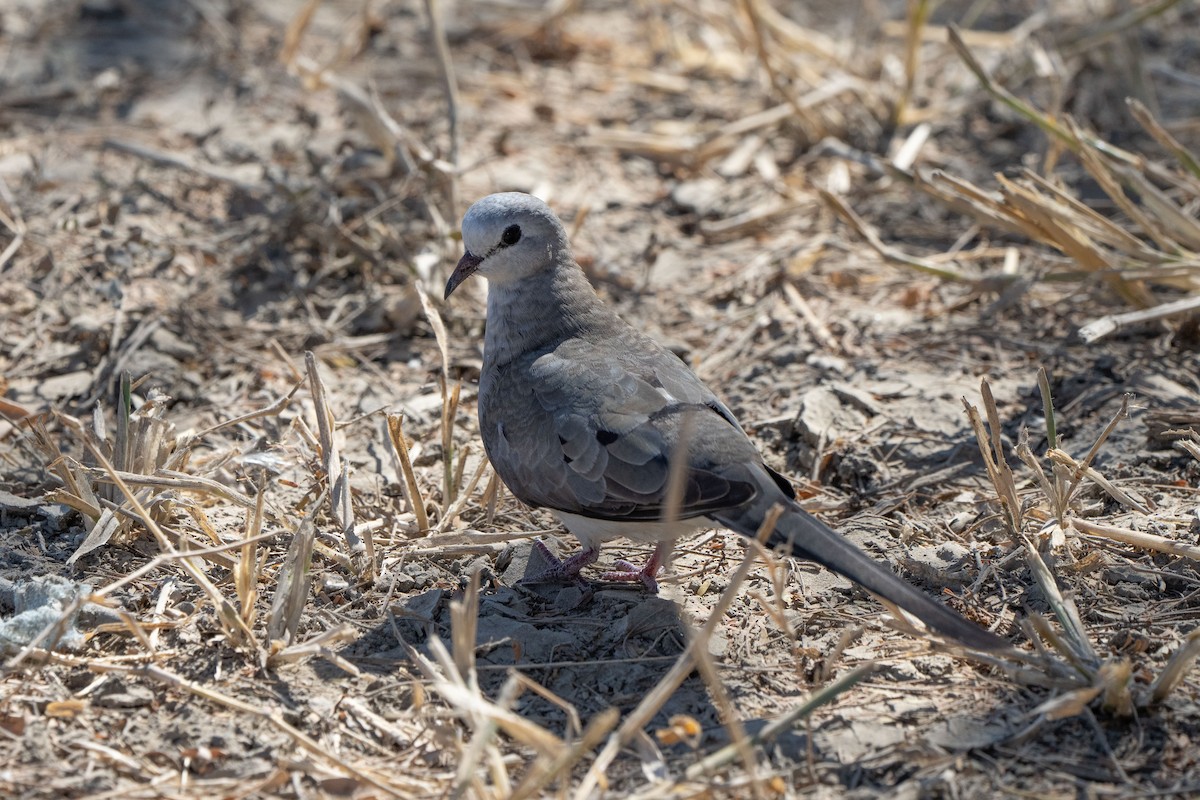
(592, 647)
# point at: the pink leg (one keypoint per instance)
(562, 570)
(628, 572)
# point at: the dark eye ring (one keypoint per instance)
(511, 235)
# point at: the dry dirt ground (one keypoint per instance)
(197, 194)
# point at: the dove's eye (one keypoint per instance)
(511, 235)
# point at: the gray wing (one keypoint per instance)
(591, 431)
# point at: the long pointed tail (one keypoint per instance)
(812, 539)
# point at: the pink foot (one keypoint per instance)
(564, 570)
(628, 572)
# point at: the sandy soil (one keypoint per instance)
(195, 195)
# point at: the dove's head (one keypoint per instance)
(508, 236)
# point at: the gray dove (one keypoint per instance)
(582, 415)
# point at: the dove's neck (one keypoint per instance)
(541, 310)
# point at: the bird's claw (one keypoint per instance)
(566, 570)
(561, 570)
(626, 571)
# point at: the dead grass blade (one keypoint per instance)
(1109, 324)
(460, 502)
(412, 490)
(361, 551)
(449, 456)
(999, 473)
(16, 226)
(888, 253)
(636, 720)
(1177, 667)
(782, 724)
(294, 579)
(1154, 197)
(446, 67)
(1146, 541)
(301, 739)
(231, 621)
(450, 398)
(1153, 127)
(918, 16)
(1077, 647)
(246, 574)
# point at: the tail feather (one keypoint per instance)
(811, 539)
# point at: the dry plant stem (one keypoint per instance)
(464, 622)
(1107, 325)
(163, 159)
(15, 224)
(454, 678)
(469, 704)
(412, 491)
(1054, 491)
(1049, 125)
(291, 586)
(784, 723)
(997, 468)
(1080, 471)
(449, 401)
(1177, 667)
(1081, 651)
(1121, 414)
(160, 560)
(1192, 448)
(741, 743)
(295, 30)
(1161, 220)
(449, 412)
(178, 481)
(1162, 136)
(677, 472)
(1061, 232)
(231, 621)
(482, 743)
(1115, 678)
(121, 452)
(1003, 95)
(273, 410)
(815, 326)
(1107, 28)
(650, 705)
(245, 576)
(1147, 541)
(803, 118)
(305, 742)
(543, 772)
(451, 513)
(1088, 220)
(319, 645)
(336, 476)
(446, 66)
(889, 254)
(918, 15)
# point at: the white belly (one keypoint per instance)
(591, 532)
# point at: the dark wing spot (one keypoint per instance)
(722, 414)
(783, 483)
(567, 459)
(606, 437)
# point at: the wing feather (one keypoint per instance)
(592, 437)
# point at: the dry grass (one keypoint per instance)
(239, 543)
